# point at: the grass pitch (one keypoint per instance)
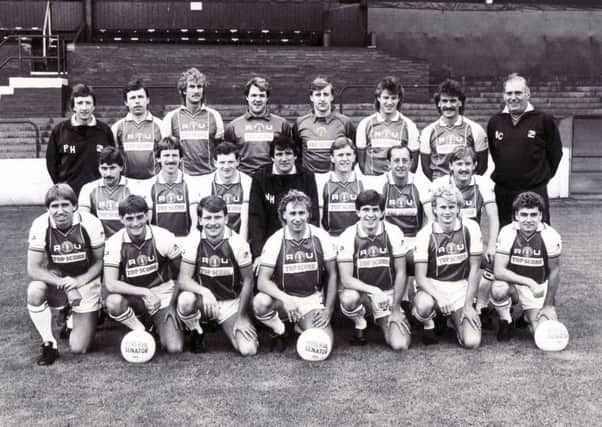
(498, 384)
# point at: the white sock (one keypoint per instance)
(129, 319)
(41, 316)
(272, 321)
(358, 315)
(192, 321)
(503, 310)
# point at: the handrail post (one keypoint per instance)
(35, 128)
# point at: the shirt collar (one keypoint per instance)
(161, 178)
(458, 121)
(122, 181)
(184, 108)
(453, 181)
(148, 117)
(392, 181)
(147, 236)
(540, 227)
(92, 122)
(335, 178)
(218, 180)
(292, 172)
(363, 234)
(396, 118)
(437, 228)
(76, 219)
(327, 118)
(227, 233)
(306, 234)
(530, 107)
(264, 116)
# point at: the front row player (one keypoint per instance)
(216, 276)
(447, 257)
(64, 262)
(140, 264)
(527, 265)
(372, 266)
(291, 275)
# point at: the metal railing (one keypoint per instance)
(53, 63)
(35, 128)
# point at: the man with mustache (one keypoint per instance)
(101, 197)
(316, 131)
(525, 147)
(137, 133)
(384, 129)
(198, 127)
(255, 130)
(74, 144)
(64, 262)
(171, 201)
(451, 131)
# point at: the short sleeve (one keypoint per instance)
(328, 247)
(485, 188)
(112, 257)
(425, 139)
(85, 196)
(480, 137)
(346, 242)
(423, 238)
(166, 129)
(505, 240)
(219, 123)
(424, 188)
(552, 241)
(476, 240)
(190, 246)
(166, 243)
(413, 135)
(271, 249)
(397, 240)
(241, 250)
(360, 135)
(94, 228)
(37, 234)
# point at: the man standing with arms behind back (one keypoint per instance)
(525, 146)
(75, 144)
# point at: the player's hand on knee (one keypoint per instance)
(321, 318)
(446, 308)
(381, 300)
(69, 285)
(547, 312)
(245, 328)
(292, 310)
(209, 306)
(471, 316)
(537, 289)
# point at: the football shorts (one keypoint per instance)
(527, 300)
(452, 294)
(90, 292)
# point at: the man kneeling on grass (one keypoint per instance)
(448, 256)
(527, 265)
(293, 262)
(216, 277)
(140, 263)
(64, 262)
(372, 265)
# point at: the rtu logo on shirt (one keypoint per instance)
(386, 133)
(343, 197)
(170, 198)
(66, 247)
(451, 248)
(527, 251)
(372, 252)
(214, 260)
(139, 136)
(141, 260)
(299, 256)
(193, 125)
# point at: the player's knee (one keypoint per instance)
(174, 345)
(262, 303)
(115, 304)
(424, 304)
(79, 347)
(349, 299)
(36, 293)
(187, 303)
(500, 291)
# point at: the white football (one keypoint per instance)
(551, 335)
(138, 347)
(314, 344)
